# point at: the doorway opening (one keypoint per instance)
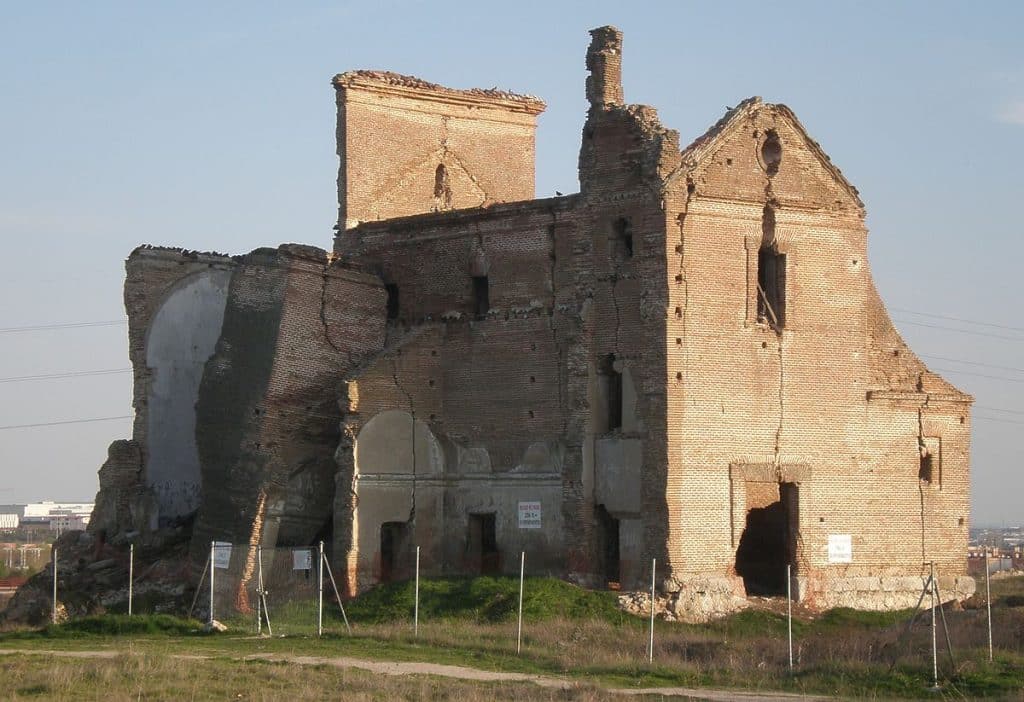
(392, 537)
(608, 542)
(768, 542)
(483, 544)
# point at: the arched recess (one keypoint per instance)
(180, 339)
(392, 451)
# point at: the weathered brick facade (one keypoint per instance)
(687, 361)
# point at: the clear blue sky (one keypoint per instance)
(211, 126)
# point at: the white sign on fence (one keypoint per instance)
(302, 559)
(529, 515)
(840, 548)
(221, 555)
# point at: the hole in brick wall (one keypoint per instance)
(442, 188)
(895, 352)
(679, 311)
(481, 295)
(392, 300)
(960, 521)
(962, 420)
(256, 445)
(256, 411)
(679, 376)
(533, 347)
(679, 278)
(728, 161)
(926, 471)
(768, 541)
(821, 519)
(691, 188)
(679, 341)
(531, 414)
(431, 383)
(622, 229)
(764, 344)
(771, 152)
(611, 384)
(756, 133)
(855, 262)
(433, 352)
(771, 275)
(433, 417)
(533, 379)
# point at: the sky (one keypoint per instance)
(210, 126)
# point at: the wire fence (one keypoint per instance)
(294, 592)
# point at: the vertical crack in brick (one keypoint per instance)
(412, 414)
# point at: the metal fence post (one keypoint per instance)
(131, 575)
(650, 646)
(789, 612)
(320, 590)
(988, 607)
(212, 559)
(416, 603)
(522, 572)
(935, 651)
(54, 613)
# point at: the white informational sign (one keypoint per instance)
(221, 555)
(302, 559)
(840, 548)
(529, 515)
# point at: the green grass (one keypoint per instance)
(485, 600)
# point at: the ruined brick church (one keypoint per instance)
(687, 360)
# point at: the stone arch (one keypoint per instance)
(181, 337)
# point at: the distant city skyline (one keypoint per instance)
(212, 127)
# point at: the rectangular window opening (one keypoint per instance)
(612, 381)
(771, 287)
(392, 303)
(481, 296)
(623, 233)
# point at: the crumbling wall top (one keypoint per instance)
(386, 81)
(604, 61)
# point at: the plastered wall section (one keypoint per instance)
(392, 138)
(171, 297)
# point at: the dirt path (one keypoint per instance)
(460, 672)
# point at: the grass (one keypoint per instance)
(582, 636)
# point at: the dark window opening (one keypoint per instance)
(483, 544)
(623, 231)
(442, 188)
(771, 275)
(392, 303)
(768, 542)
(926, 470)
(612, 381)
(392, 536)
(481, 295)
(608, 541)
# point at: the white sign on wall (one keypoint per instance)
(302, 559)
(840, 548)
(221, 555)
(529, 515)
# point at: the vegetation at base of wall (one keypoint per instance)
(112, 625)
(485, 599)
(579, 635)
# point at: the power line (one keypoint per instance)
(980, 375)
(958, 319)
(69, 325)
(972, 363)
(66, 421)
(68, 374)
(962, 331)
(999, 409)
(999, 419)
